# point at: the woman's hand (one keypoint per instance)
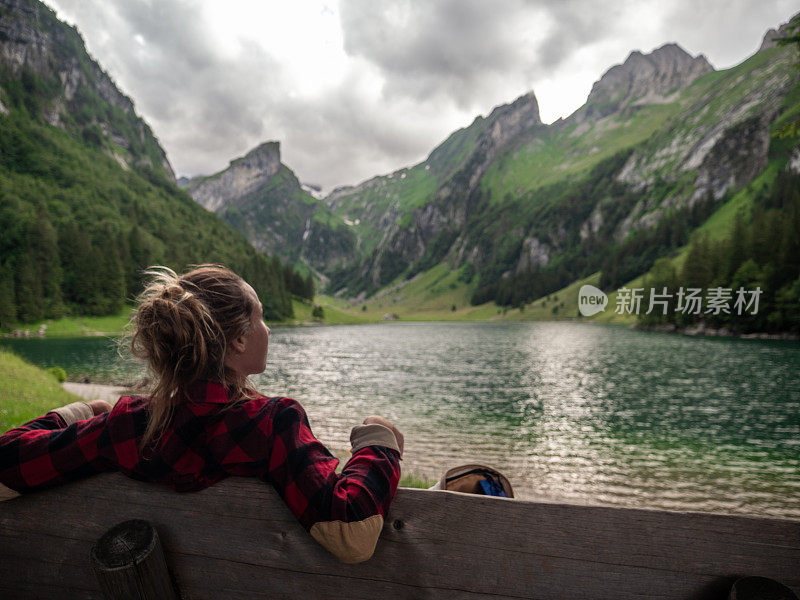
(99, 406)
(386, 423)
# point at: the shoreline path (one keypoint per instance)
(95, 391)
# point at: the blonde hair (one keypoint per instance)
(182, 329)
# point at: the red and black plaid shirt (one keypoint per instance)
(269, 438)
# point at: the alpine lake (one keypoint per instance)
(570, 412)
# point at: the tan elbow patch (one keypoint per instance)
(349, 542)
(77, 411)
(6, 493)
(373, 434)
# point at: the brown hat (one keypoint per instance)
(467, 478)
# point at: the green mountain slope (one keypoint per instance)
(752, 240)
(384, 206)
(46, 72)
(82, 206)
(661, 144)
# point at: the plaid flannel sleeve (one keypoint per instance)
(57, 447)
(343, 511)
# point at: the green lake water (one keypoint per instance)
(570, 412)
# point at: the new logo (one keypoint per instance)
(591, 300)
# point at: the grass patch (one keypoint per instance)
(113, 325)
(720, 223)
(411, 480)
(402, 191)
(27, 392)
(81, 326)
(332, 309)
(77, 326)
(560, 154)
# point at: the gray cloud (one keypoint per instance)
(204, 107)
(454, 48)
(576, 24)
(737, 31)
(439, 64)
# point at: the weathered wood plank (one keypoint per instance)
(238, 540)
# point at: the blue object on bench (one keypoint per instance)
(491, 488)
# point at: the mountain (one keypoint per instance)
(42, 57)
(514, 209)
(88, 195)
(262, 198)
(521, 209)
(398, 215)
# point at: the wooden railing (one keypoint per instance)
(237, 539)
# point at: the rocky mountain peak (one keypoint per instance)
(264, 200)
(769, 40)
(772, 35)
(504, 124)
(244, 175)
(645, 79)
(263, 157)
(525, 107)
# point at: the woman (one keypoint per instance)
(201, 335)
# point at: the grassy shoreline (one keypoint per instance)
(27, 392)
(340, 312)
(436, 295)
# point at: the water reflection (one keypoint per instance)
(568, 411)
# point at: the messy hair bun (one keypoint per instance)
(182, 329)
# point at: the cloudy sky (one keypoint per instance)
(356, 88)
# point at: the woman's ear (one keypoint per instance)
(238, 344)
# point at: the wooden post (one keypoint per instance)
(129, 563)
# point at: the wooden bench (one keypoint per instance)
(237, 539)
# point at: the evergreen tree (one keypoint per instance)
(309, 291)
(141, 255)
(111, 283)
(92, 280)
(748, 277)
(660, 289)
(739, 246)
(30, 304)
(44, 242)
(787, 307)
(696, 271)
(8, 306)
(74, 249)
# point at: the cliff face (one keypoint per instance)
(244, 176)
(262, 198)
(504, 125)
(769, 40)
(401, 215)
(50, 58)
(719, 141)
